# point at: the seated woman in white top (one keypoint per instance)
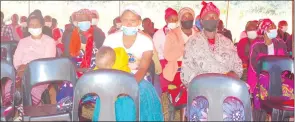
(140, 50)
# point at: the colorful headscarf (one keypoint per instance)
(264, 25)
(185, 10)
(169, 12)
(84, 12)
(208, 7)
(282, 23)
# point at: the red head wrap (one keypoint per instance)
(208, 7)
(282, 23)
(169, 12)
(264, 25)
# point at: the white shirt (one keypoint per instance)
(270, 49)
(159, 39)
(141, 44)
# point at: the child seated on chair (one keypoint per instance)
(108, 58)
(117, 58)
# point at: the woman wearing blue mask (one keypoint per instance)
(268, 45)
(140, 50)
(198, 23)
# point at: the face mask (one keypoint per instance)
(198, 24)
(209, 25)
(272, 34)
(24, 24)
(118, 25)
(84, 26)
(284, 28)
(252, 34)
(129, 30)
(172, 25)
(187, 24)
(48, 24)
(94, 21)
(35, 31)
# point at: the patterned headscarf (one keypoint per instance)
(84, 12)
(185, 10)
(208, 7)
(264, 24)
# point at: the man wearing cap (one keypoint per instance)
(209, 52)
(140, 50)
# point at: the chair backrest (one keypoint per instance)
(9, 48)
(108, 85)
(275, 65)
(216, 88)
(47, 70)
(7, 70)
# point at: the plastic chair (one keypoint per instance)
(45, 71)
(108, 85)
(7, 70)
(273, 104)
(9, 48)
(216, 88)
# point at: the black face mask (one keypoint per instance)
(210, 25)
(187, 24)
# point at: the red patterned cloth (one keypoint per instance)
(169, 12)
(264, 24)
(208, 7)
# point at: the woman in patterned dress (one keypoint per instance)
(210, 52)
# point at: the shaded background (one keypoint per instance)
(239, 12)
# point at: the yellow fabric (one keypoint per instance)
(122, 59)
(171, 87)
(121, 62)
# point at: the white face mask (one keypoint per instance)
(48, 24)
(23, 24)
(172, 25)
(252, 34)
(284, 28)
(35, 31)
(94, 21)
(75, 23)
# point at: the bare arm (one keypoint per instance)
(144, 65)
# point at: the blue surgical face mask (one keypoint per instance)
(272, 34)
(198, 24)
(84, 26)
(128, 31)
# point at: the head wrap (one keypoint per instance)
(36, 15)
(282, 23)
(169, 12)
(95, 12)
(208, 7)
(264, 25)
(251, 23)
(83, 12)
(185, 10)
(133, 8)
(121, 62)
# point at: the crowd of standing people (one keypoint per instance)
(188, 45)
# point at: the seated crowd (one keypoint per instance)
(184, 48)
